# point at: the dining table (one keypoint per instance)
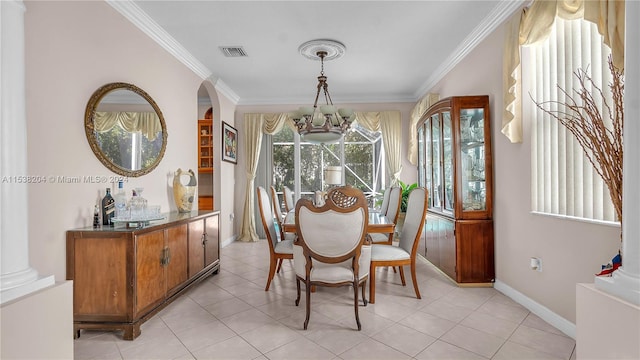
(378, 223)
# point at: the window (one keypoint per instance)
(363, 161)
(563, 180)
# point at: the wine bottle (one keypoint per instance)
(108, 208)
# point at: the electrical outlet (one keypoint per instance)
(536, 264)
(232, 216)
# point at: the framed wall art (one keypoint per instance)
(229, 143)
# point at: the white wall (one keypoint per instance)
(39, 325)
(571, 251)
(73, 48)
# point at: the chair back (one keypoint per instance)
(414, 220)
(385, 201)
(335, 231)
(288, 199)
(277, 210)
(395, 200)
(266, 216)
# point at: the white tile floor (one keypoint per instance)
(230, 316)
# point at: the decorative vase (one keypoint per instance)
(183, 193)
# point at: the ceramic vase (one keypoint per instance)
(184, 194)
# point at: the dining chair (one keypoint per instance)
(288, 199)
(385, 201)
(279, 217)
(280, 248)
(331, 249)
(405, 252)
(394, 201)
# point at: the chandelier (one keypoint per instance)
(324, 123)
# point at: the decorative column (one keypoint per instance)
(17, 278)
(625, 282)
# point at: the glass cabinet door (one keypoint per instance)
(437, 161)
(472, 146)
(447, 166)
(428, 162)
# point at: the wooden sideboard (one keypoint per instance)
(122, 277)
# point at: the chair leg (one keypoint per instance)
(364, 297)
(298, 288)
(279, 266)
(415, 280)
(308, 289)
(272, 271)
(404, 283)
(372, 284)
(355, 302)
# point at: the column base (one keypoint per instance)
(18, 291)
(621, 284)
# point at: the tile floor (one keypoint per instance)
(230, 316)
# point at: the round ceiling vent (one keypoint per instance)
(334, 49)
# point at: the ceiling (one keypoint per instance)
(395, 50)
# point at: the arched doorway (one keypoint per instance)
(205, 150)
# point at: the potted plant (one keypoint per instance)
(406, 190)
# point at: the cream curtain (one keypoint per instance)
(255, 126)
(390, 123)
(417, 112)
(534, 24)
(252, 143)
(147, 123)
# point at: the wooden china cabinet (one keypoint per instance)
(455, 165)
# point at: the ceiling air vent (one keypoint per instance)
(233, 51)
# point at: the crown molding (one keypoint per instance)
(308, 101)
(225, 90)
(140, 19)
(496, 17)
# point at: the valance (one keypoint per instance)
(147, 123)
(416, 114)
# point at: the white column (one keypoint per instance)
(625, 282)
(17, 278)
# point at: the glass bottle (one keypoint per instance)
(108, 208)
(96, 217)
(121, 202)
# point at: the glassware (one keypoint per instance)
(137, 204)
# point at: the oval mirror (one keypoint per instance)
(125, 129)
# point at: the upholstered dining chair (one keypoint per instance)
(405, 252)
(394, 201)
(288, 199)
(330, 249)
(385, 201)
(279, 217)
(279, 247)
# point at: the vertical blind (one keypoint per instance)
(564, 182)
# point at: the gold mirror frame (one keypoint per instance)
(89, 128)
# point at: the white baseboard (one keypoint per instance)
(540, 310)
(228, 241)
